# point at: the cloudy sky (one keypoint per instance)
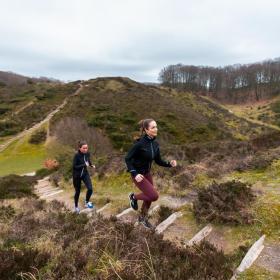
(81, 39)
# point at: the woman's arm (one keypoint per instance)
(160, 161)
(129, 158)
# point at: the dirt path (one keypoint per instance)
(3, 146)
(270, 257)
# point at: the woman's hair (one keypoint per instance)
(144, 124)
(81, 143)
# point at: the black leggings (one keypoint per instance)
(77, 185)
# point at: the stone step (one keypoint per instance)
(51, 194)
(200, 235)
(166, 223)
(48, 191)
(103, 208)
(125, 212)
(250, 257)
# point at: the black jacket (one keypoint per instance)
(139, 158)
(79, 164)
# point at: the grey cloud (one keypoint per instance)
(66, 40)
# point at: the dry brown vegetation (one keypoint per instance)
(225, 203)
(49, 242)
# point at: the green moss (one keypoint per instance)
(257, 273)
(201, 180)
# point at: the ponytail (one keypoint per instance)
(144, 124)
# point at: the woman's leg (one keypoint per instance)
(147, 204)
(148, 194)
(77, 186)
(86, 179)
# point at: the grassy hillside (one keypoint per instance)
(191, 129)
(22, 157)
(209, 142)
(266, 111)
(22, 106)
(116, 105)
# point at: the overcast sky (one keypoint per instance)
(82, 39)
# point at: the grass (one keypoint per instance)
(257, 273)
(22, 157)
(263, 112)
(115, 188)
(268, 178)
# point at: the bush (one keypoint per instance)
(4, 109)
(163, 213)
(226, 203)
(43, 172)
(8, 127)
(51, 164)
(15, 261)
(6, 213)
(14, 186)
(98, 248)
(38, 137)
(65, 160)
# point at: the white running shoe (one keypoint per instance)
(89, 205)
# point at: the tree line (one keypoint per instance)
(255, 77)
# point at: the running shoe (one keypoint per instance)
(133, 201)
(89, 205)
(144, 221)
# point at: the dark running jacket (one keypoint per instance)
(139, 158)
(79, 164)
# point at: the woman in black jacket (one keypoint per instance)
(81, 161)
(139, 161)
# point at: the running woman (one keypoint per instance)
(81, 161)
(139, 161)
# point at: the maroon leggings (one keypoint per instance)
(149, 193)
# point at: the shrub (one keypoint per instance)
(43, 172)
(98, 248)
(225, 203)
(163, 213)
(14, 186)
(38, 137)
(6, 213)
(65, 160)
(8, 127)
(51, 164)
(15, 261)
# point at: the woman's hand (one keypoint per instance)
(173, 163)
(139, 178)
